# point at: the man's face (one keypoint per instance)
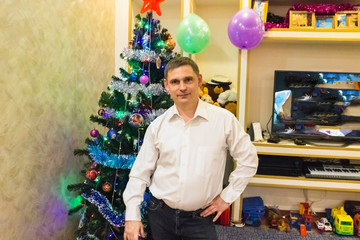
(183, 85)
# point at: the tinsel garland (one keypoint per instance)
(134, 88)
(104, 207)
(106, 210)
(145, 55)
(148, 116)
(318, 9)
(111, 160)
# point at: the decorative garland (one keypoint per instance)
(112, 160)
(318, 9)
(106, 210)
(145, 55)
(133, 88)
(104, 207)
(148, 116)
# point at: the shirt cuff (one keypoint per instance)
(133, 213)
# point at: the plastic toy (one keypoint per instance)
(253, 210)
(357, 224)
(283, 225)
(343, 223)
(323, 225)
(302, 230)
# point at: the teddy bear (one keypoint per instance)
(228, 100)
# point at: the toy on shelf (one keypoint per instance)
(273, 215)
(357, 224)
(343, 223)
(218, 92)
(323, 225)
(283, 224)
(353, 209)
(303, 230)
(253, 210)
(305, 212)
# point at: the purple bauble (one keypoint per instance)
(144, 79)
(94, 133)
(246, 29)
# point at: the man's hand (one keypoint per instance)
(133, 229)
(218, 206)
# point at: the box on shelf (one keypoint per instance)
(302, 20)
(324, 21)
(347, 19)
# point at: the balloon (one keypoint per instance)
(246, 29)
(193, 34)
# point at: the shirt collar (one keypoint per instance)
(201, 110)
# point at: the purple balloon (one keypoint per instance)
(246, 29)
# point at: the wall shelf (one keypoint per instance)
(305, 183)
(287, 148)
(319, 35)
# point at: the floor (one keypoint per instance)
(260, 233)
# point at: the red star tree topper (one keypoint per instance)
(152, 5)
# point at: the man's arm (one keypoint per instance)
(139, 178)
(244, 154)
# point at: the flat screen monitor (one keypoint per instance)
(316, 105)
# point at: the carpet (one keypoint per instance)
(260, 233)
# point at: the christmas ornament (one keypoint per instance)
(94, 133)
(152, 5)
(101, 112)
(93, 165)
(170, 44)
(146, 41)
(158, 62)
(136, 119)
(106, 187)
(144, 79)
(91, 174)
(133, 76)
(111, 134)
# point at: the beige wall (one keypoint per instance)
(56, 59)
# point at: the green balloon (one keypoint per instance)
(193, 34)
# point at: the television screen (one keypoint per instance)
(316, 105)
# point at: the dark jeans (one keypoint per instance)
(171, 224)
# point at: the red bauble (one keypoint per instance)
(91, 174)
(106, 187)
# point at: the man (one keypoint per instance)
(182, 161)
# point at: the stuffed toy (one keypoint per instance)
(205, 96)
(228, 100)
(227, 96)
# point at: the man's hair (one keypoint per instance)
(181, 61)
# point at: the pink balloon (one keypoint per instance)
(246, 29)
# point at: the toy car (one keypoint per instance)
(323, 223)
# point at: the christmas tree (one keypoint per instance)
(131, 102)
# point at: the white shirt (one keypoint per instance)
(184, 163)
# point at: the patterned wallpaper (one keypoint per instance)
(56, 59)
